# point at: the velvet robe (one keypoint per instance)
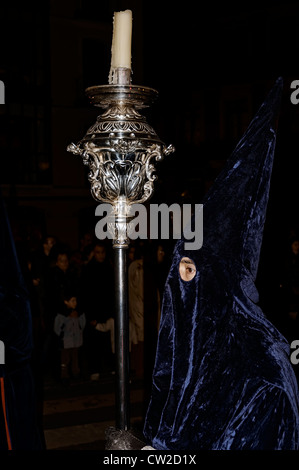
(222, 377)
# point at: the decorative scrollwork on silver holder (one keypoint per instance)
(120, 149)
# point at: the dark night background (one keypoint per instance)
(212, 66)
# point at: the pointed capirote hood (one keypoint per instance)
(234, 209)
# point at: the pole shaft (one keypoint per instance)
(122, 358)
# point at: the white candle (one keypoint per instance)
(121, 41)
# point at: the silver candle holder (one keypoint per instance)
(121, 149)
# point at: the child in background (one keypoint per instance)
(68, 326)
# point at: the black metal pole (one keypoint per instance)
(122, 367)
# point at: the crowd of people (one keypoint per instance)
(73, 310)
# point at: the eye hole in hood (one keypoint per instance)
(187, 269)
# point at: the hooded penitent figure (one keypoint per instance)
(18, 426)
(222, 377)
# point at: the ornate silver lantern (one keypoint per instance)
(121, 149)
